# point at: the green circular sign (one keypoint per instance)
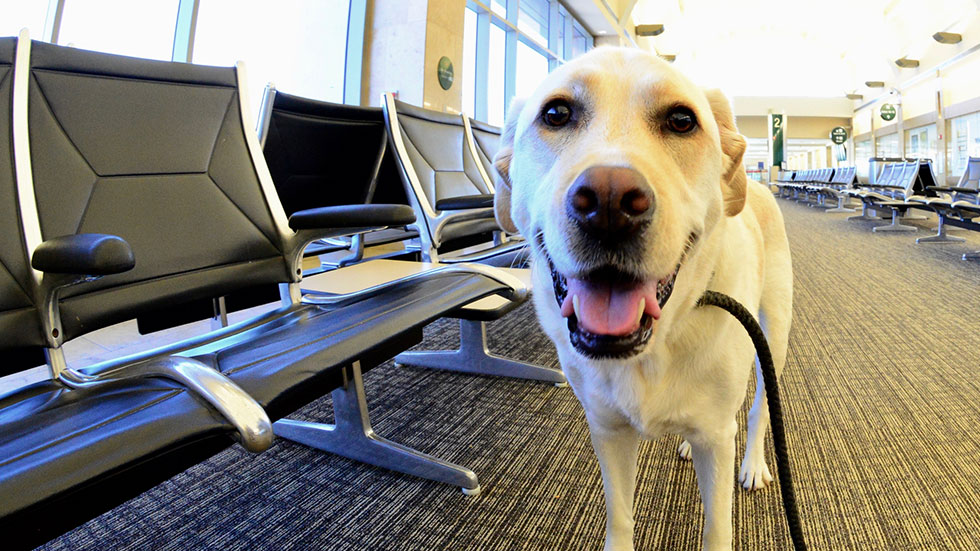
(888, 112)
(838, 135)
(445, 71)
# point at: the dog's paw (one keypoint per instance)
(754, 474)
(684, 450)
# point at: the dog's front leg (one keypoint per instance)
(616, 448)
(714, 457)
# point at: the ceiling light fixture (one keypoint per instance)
(874, 84)
(948, 38)
(649, 30)
(669, 58)
(855, 96)
(906, 63)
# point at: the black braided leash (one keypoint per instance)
(727, 303)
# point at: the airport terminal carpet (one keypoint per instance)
(882, 400)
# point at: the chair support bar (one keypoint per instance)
(234, 404)
(352, 436)
(474, 356)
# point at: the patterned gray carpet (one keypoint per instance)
(882, 409)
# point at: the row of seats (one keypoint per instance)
(323, 154)
(901, 186)
(957, 205)
(128, 187)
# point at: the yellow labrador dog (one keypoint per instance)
(627, 180)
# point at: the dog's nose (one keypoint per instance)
(610, 203)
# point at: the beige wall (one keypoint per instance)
(403, 43)
(752, 126)
(444, 37)
(814, 127)
(394, 49)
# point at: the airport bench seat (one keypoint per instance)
(83, 451)
(326, 154)
(142, 188)
(439, 159)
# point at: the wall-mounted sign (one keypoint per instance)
(888, 112)
(778, 139)
(445, 70)
(838, 135)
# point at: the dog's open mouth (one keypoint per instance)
(611, 313)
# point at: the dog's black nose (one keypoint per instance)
(610, 203)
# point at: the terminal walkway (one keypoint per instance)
(882, 405)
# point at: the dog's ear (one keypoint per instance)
(501, 161)
(733, 145)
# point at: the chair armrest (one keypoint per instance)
(91, 254)
(971, 191)
(352, 216)
(941, 188)
(465, 202)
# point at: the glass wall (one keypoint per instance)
(302, 49)
(522, 47)
(18, 14)
(495, 78)
(920, 143)
(532, 67)
(963, 142)
(862, 157)
(300, 45)
(887, 146)
(469, 61)
(121, 27)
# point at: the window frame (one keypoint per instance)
(554, 52)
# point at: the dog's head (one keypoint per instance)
(614, 169)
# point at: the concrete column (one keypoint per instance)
(403, 43)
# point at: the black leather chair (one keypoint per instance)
(447, 187)
(309, 145)
(325, 154)
(486, 140)
(957, 205)
(144, 187)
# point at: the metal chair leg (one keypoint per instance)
(864, 214)
(841, 201)
(473, 356)
(351, 436)
(971, 256)
(895, 226)
(941, 236)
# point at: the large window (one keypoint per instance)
(299, 45)
(532, 67)
(18, 14)
(469, 61)
(121, 27)
(887, 146)
(519, 49)
(862, 158)
(920, 143)
(963, 143)
(495, 79)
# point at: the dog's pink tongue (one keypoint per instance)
(607, 309)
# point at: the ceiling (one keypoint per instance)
(793, 47)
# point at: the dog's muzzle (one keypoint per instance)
(629, 320)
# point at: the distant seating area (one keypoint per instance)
(958, 205)
(900, 186)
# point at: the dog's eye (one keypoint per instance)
(681, 120)
(556, 113)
